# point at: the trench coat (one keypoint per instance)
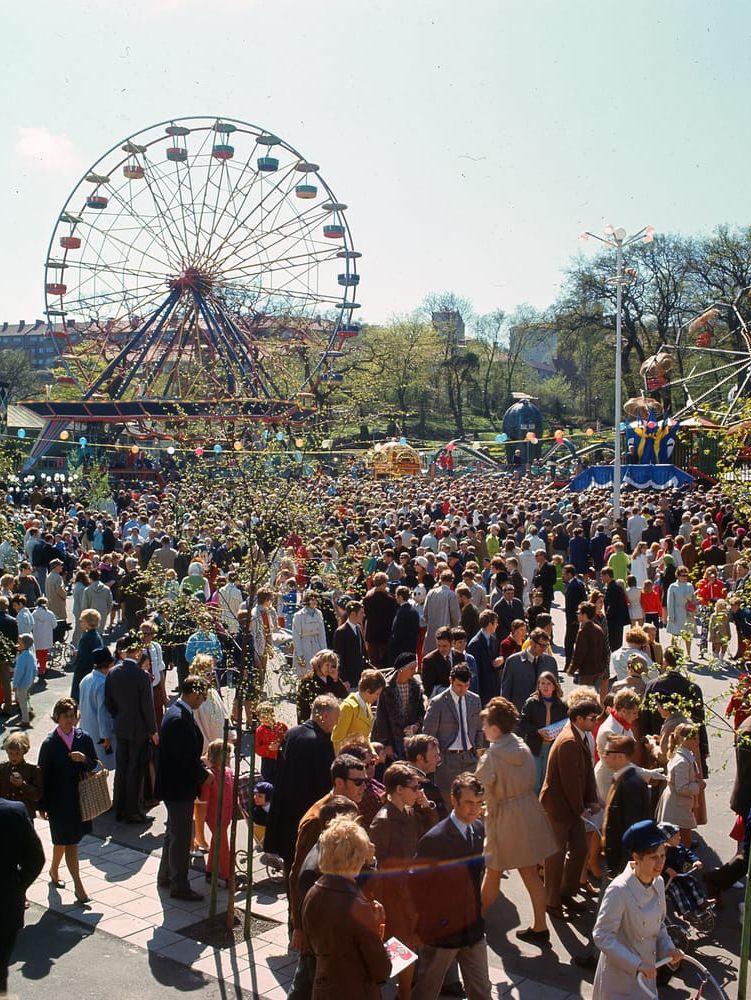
(517, 830)
(629, 930)
(308, 637)
(677, 800)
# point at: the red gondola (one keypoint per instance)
(56, 288)
(70, 242)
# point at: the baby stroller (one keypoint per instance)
(272, 862)
(690, 916)
(694, 975)
(63, 653)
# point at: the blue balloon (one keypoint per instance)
(623, 426)
(83, 442)
(21, 432)
(402, 440)
(503, 437)
(217, 449)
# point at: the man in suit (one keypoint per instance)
(544, 577)
(453, 717)
(484, 646)
(574, 594)
(520, 671)
(302, 775)
(179, 775)
(380, 608)
(349, 645)
(568, 791)
(129, 700)
(436, 666)
(509, 608)
(628, 800)
(441, 609)
(446, 879)
(405, 627)
(21, 860)
(616, 609)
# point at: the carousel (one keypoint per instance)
(393, 459)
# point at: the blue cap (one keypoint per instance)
(642, 836)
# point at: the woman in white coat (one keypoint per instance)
(308, 633)
(630, 929)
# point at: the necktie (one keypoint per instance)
(468, 835)
(462, 727)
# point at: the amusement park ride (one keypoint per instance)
(202, 268)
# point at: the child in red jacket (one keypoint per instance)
(269, 735)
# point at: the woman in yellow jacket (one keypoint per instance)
(355, 712)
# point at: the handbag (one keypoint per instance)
(94, 795)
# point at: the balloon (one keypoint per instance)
(217, 449)
(198, 451)
(64, 435)
(264, 434)
(402, 440)
(450, 447)
(280, 435)
(503, 437)
(170, 450)
(651, 424)
(299, 442)
(589, 432)
(623, 426)
(21, 432)
(531, 436)
(238, 446)
(558, 435)
(83, 442)
(134, 449)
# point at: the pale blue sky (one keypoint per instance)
(472, 141)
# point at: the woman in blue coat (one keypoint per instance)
(66, 755)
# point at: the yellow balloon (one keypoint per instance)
(589, 432)
(64, 435)
(134, 449)
(238, 446)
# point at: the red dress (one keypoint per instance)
(210, 795)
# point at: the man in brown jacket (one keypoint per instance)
(590, 658)
(568, 791)
(348, 778)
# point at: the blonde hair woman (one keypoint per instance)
(342, 927)
(685, 782)
(90, 640)
(209, 718)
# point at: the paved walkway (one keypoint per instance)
(126, 903)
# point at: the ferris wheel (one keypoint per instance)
(201, 259)
(705, 370)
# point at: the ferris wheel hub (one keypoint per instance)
(191, 279)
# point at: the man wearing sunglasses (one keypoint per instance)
(348, 778)
(519, 677)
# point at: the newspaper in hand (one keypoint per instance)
(401, 956)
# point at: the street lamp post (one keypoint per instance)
(617, 239)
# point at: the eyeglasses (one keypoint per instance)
(357, 781)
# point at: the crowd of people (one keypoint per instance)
(435, 749)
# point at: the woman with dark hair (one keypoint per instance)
(66, 755)
(517, 830)
(630, 932)
(540, 711)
